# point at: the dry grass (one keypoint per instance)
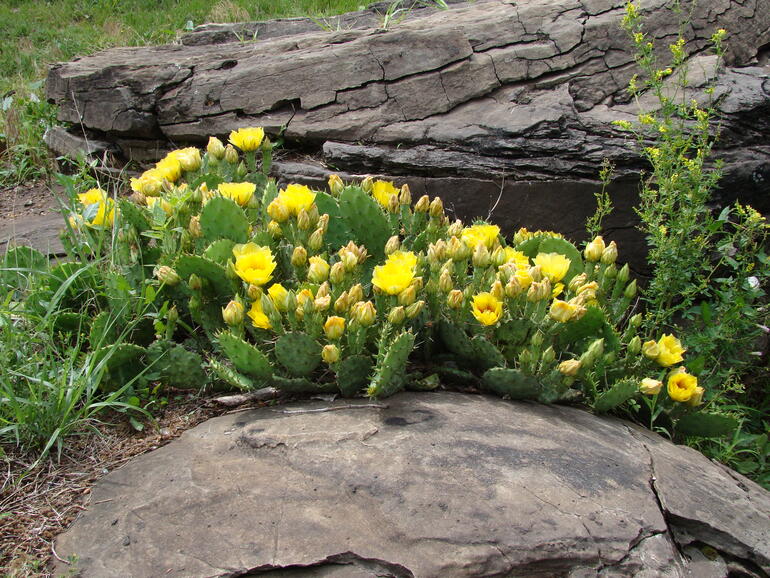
(228, 11)
(37, 504)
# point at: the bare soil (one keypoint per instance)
(30, 215)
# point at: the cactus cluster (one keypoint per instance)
(360, 290)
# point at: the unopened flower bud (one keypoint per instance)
(322, 303)
(334, 327)
(241, 171)
(318, 272)
(139, 198)
(521, 235)
(324, 289)
(610, 253)
(650, 349)
(303, 220)
(323, 222)
(337, 273)
(215, 148)
(697, 397)
(254, 292)
(630, 291)
(537, 339)
(635, 345)
(342, 303)
(349, 261)
(330, 353)
(497, 290)
(278, 211)
(422, 205)
(167, 275)
(407, 296)
(367, 184)
(455, 229)
(525, 358)
(594, 249)
(274, 228)
(172, 315)
(397, 315)
(513, 288)
(455, 299)
(195, 283)
(231, 155)
(436, 208)
(393, 245)
(415, 308)
(356, 293)
(393, 205)
(549, 356)
(577, 281)
(536, 273)
(635, 321)
(445, 283)
(594, 352)
(195, 227)
(649, 386)
(570, 367)
(299, 256)
(316, 240)
(498, 256)
(624, 274)
(364, 313)
(233, 313)
(481, 257)
(335, 185)
(405, 196)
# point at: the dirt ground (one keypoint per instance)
(30, 215)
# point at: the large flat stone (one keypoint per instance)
(439, 484)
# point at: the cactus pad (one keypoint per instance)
(365, 220)
(390, 373)
(122, 365)
(706, 425)
(485, 354)
(245, 357)
(456, 340)
(619, 393)
(338, 233)
(230, 377)
(301, 385)
(542, 244)
(511, 383)
(222, 218)
(220, 251)
(353, 374)
(130, 214)
(214, 273)
(299, 353)
(177, 366)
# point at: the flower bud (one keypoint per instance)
(303, 220)
(422, 205)
(634, 346)
(195, 283)
(318, 272)
(274, 228)
(697, 397)
(536, 273)
(521, 235)
(624, 274)
(278, 211)
(316, 240)
(457, 250)
(635, 321)
(537, 339)
(436, 208)
(337, 273)
(254, 292)
(215, 148)
(367, 184)
(549, 356)
(312, 213)
(594, 249)
(397, 315)
(342, 303)
(570, 367)
(334, 327)
(414, 309)
(630, 291)
(195, 227)
(324, 289)
(364, 313)
(172, 315)
(322, 303)
(335, 185)
(241, 171)
(455, 299)
(650, 349)
(393, 205)
(455, 229)
(233, 313)
(577, 281)
(497, 290)
(610, 254)
(349, 261)
(513, 288)
(594, 352)
(445, 283)
(167, 275)
(330, 353)
(139, 199)
(393, 245)
(498, 256)
(356, 293)
(299, 256)
(231, 155)
(281, 298)
(405, 196)
(649, 386)
(481, 257)
(525, 357)
(407, 296)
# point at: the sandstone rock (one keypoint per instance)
(440, 484)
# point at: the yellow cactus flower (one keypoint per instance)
(517, 258)
(480, 235)
(98, 207)
(553, 265)
(594, 249)
(169, 168)
(241, 193)
(295, 198)
(247, 139)
(562, 311)
(670, 351)
(649, 386)
(486, 308)
(382, 191)
(523, 278)
(254, 264)
(650, 349)
(258, 317)
(279, 295)
(334, 327)
(149, 183)
(318, 271)
(330, 353)
(396, 274)
(682, 386)
(570, 367)
(305, 296)
(189, 158)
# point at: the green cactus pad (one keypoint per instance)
(456, 376)
(542, 244)
(230, 377)
(365, 220)
(427, 383)
(485, 354)
(706, 425)
(299, 353)
(19, 265)
(222, 218)
(390, 373)
(103, 330)
(122, 365)
(619, 393)
(591, 326)
(71, 322)
(301, 385)
(131, 214)
(353, 374)
(177, 366)
(220, 251)
(245, 357)
(511, 382)
(455, 339)
(514, 332)
(214, 273)
(338, 233)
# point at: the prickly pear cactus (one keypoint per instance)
(511, 382)
(230, 377)
(301, 385)
(706, 425)
(299, 353)
(485, 354)
(365, 220)
(222, 218)
(122, 364)
(390, 373)
(353, 374)
(206, 269)
(456, 340)
(592, 325)
(131, 214)
(245, 357)
(543, 244)
(338, 233)
(618, 394)
(177, 366)
(220, 251)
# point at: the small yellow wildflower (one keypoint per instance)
(247, 139)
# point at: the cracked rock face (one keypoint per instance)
(439, 484)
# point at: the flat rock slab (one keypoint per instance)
(439, 484)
